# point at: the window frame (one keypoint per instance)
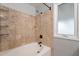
(75, 36)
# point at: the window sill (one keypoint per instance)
(67, 37)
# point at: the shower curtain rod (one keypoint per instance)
(47, 6)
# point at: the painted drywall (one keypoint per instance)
(43, 8)
(27, 8)
(78, 20)
(55, 17)
(23, 7)
(64, 47)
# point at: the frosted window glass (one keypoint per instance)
(66, 18)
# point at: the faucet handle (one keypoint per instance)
(41, 36)
(39, 42)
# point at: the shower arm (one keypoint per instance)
(47, 6)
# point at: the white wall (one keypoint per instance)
(78, 19)
(27, 8)
(43, 8)
(55, 17)
(63, 47)
(23, 7)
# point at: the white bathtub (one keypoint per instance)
(28, 50)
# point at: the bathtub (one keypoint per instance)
(32, 49)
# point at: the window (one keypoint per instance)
(66, 19)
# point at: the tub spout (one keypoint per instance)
(39, 42)
(41, 47)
